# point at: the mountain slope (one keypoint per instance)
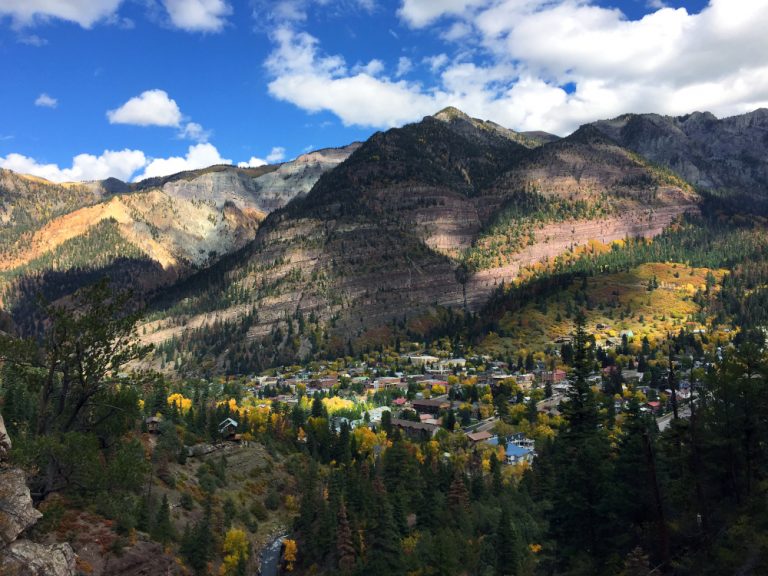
(144, 235)
(386, 236)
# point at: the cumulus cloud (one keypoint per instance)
(252, 163)
(419, 13)
(277, 154)
(45, 101)
(122, 164)
(117, 164)
(83, 12)
(517, 57)
(198, 15)
(150, 108)
(194, 131)
(317, 82)
(198, 156)
(404, 65)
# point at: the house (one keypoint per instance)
(514, 454)
(415, 430)
(423, 360)
(553, 376)
(227, 428)
(153, 424)
(476, 437)
(432, 406)
(654, 406)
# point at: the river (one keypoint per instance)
(270, 557)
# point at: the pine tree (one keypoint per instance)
(507, 545)
(345, 549)
(162, 531)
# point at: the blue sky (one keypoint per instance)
(134, 88)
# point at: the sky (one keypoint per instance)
(91, 89)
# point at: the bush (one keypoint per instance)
(187, 502)
(272, 501)
(259, 511)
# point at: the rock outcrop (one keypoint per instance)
(26, 558)
(18, 556)
(727, 155)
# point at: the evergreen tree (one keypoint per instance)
(345, 549)
(162, 530)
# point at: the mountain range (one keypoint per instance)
(251, 266)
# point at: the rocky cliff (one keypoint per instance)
(18, 555)
(728, 155)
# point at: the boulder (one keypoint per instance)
(26, 558)
(5, 440)
(16, 510)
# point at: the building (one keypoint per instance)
(514, 454)
(228, 428)
(476, 437)
(415, 430)
(153, 424)
(432, 406)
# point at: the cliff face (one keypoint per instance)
(728, 155)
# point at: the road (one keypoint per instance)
(665, 421)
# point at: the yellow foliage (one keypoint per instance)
(336, 404)
(289, 554)
(438, 389)
(183, 404)
(366, 440)
(235, 549)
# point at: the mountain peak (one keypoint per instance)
(451, 113)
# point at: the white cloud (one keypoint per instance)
(516, 56)
(372, 68)
(198, 15)
(315, 82)
(435, 63)
(194, 131)
(117, 164)
(276, 155)
(404, 65)
(420, 13)
(198, 156)
(252, 163)
(151, 108)
(32, 40)
(83, 12)
(45, 101)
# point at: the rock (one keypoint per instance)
(143, 559)
(5, 441)
(26, 558)
(16, 510)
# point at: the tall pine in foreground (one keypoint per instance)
(581, 522)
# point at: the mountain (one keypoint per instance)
(726, 156)
(57, 236)
(436, 213)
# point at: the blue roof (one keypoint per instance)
(512, 450)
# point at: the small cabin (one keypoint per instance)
(228, 428)
(153, 424)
